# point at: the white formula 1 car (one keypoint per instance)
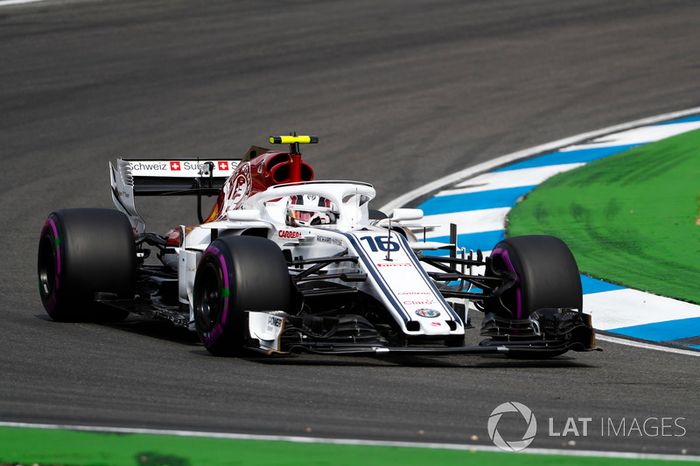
(286, 264)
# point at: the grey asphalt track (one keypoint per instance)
(400, 92)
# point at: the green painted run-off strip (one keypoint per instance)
(67, 447)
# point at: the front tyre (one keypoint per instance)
(83, 252)
(237, 274)
(546, 276)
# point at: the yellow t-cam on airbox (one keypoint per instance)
(293, 139)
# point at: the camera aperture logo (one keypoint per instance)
(530, 431)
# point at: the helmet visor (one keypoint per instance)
(302, 215)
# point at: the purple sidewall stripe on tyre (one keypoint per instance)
(224, 268)
(518, 292)
(218, 329)
(56, 243)
(58, 248)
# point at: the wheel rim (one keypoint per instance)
(47, 267)
(209, 299)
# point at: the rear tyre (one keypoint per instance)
(237, 274)
(83, 252)
(546, 276)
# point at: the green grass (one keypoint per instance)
(66, 447)
(629, 219)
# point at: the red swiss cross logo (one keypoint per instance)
(223, 165)
(175, 166)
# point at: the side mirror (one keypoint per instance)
(403, 215)
(243, 215)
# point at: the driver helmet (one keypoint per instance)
(304, 210)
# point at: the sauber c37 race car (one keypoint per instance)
(286, 264)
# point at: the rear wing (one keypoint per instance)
(174, 177)
(149, 177)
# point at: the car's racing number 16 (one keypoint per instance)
(380, 243)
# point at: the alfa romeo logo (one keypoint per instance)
(428, 313)
(528, 436)
(239, 186)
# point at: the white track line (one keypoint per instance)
(480, 168)
(18, 2)
(347, 441)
